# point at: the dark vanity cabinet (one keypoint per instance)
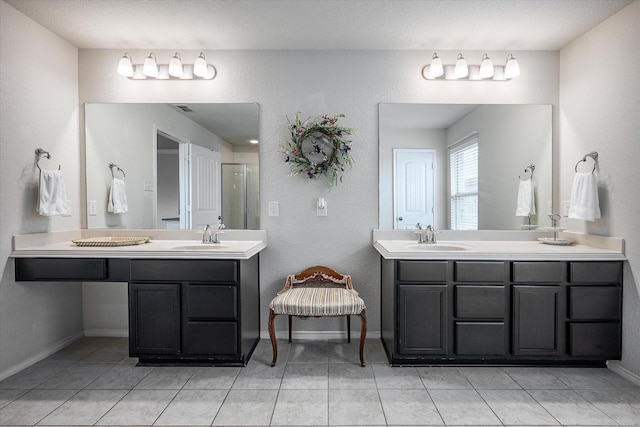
(448, 311)
(194, 310)
(204, 311)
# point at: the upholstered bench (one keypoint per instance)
(318, 292)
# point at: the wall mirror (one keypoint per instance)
(509, 138)
(184, 164)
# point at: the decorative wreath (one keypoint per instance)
(318, 147)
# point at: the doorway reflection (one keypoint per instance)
(240, 195)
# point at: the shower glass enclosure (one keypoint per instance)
(240, 196)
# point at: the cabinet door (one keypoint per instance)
(422, 326)
(600, 340)
(154, 319)
(536, 320)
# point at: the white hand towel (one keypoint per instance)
(526, 203)
(584, 197)
(117, 197)
(52, 196)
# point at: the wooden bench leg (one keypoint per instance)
(363, 335)
(348, 328)
(290, 327)
(272, 335)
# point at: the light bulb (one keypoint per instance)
(436, 69)
(486, 67)
(175, 66)
(200, 68)
(511, 69)
(150, 67)
(125, 67)
(462, 70)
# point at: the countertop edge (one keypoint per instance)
(601, 255)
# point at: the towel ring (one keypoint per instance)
(593, 155)
(529, 168)
(113, 165)
(40, 153)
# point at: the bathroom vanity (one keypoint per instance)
(188, 302)
(500, 302)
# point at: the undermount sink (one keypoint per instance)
(201, 247)
(436, 247)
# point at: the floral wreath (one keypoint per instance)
(318, 146)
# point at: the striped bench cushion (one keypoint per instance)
(317, 302)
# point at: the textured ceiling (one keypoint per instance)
(320, 24)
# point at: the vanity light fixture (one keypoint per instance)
(175, 66)
(486, 67)
(461, 70)
(486, 71)
(253, 141)
(512, 68)
(125, 67)
(150, 69)
(436, 69)
(200, 66)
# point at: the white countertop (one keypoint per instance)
(164, 245)
(493, 250)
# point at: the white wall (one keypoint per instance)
(318, 82)
(599, 110)
(38, 108)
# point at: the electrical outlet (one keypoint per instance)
(274, 209)
(566, 206)
(549, 207)
(93, 207)
(148, 185)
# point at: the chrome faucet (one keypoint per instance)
(430, 235)
(419, 232)
(211, 237)
(425, 235)
(207, 235)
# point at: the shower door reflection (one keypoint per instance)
(240, 198)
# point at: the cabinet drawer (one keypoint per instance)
(480, 271)
(596, 272)
(210, 301)
(222, 271)
(594, 302)
(65, 269)
(210, 338)
(595, 340)
(537, 272)
(482, 339)
(482, 302)
(422, 271)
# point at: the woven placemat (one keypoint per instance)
(112, 241)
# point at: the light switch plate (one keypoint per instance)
(566, 206)
(93, 207)
(148, 185)
(274, 209)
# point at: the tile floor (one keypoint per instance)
(93, 382)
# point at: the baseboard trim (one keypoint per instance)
(320, 335)
(617, 367)
(40, 356)
(117, 333)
